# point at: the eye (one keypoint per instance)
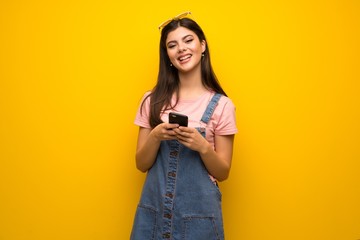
(189, 40)
(171, 45)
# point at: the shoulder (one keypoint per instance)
(145, 100)
(143, 112)
(225, 117)
(146, 96)
(226, 103)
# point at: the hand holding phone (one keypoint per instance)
(178, 118)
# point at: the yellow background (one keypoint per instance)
(71, 77)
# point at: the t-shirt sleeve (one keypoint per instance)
(143, 112)
(226, 124)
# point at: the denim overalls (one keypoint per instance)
(179, 201)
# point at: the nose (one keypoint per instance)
(182, 48)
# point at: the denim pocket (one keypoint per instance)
(144, 227)
(200, 228)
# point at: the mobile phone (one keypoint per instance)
(178, 118)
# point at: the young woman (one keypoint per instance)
(180, 197)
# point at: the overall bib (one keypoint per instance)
(179, 201)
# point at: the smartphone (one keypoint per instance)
(178, 118)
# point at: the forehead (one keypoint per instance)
(179, 33)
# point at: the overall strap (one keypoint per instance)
(210, 108)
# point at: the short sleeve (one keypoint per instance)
(226, 117)
(143, 112)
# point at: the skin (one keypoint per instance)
(184, 50)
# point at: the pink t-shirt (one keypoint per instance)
(222, 122)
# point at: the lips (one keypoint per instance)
(184, 57)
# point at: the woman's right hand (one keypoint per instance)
(164, 131)
(149, 142)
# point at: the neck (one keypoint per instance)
(191, 85)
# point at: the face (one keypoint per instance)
(184, 49)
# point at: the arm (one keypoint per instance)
(149, 142)
(218, 161)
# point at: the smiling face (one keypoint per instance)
(184, 49)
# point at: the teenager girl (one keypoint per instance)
(180, 197)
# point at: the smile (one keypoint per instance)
(184, 58)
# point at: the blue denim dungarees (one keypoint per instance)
(179, 201)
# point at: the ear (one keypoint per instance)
(203, 46)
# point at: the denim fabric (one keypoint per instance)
(179, 201)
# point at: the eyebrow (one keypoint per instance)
(174, 41)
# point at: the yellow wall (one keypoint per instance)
(71, 77)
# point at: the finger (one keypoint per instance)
(188, 133)
(179, 137)
(171, 125)
(169, 137)
(171, 132)
(186, 129)
(177, 130)
(184, 138)
(166, 130)
(181, 133)
(182, 141)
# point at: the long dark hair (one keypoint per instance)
(168, 78)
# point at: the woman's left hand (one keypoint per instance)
(191, 138)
